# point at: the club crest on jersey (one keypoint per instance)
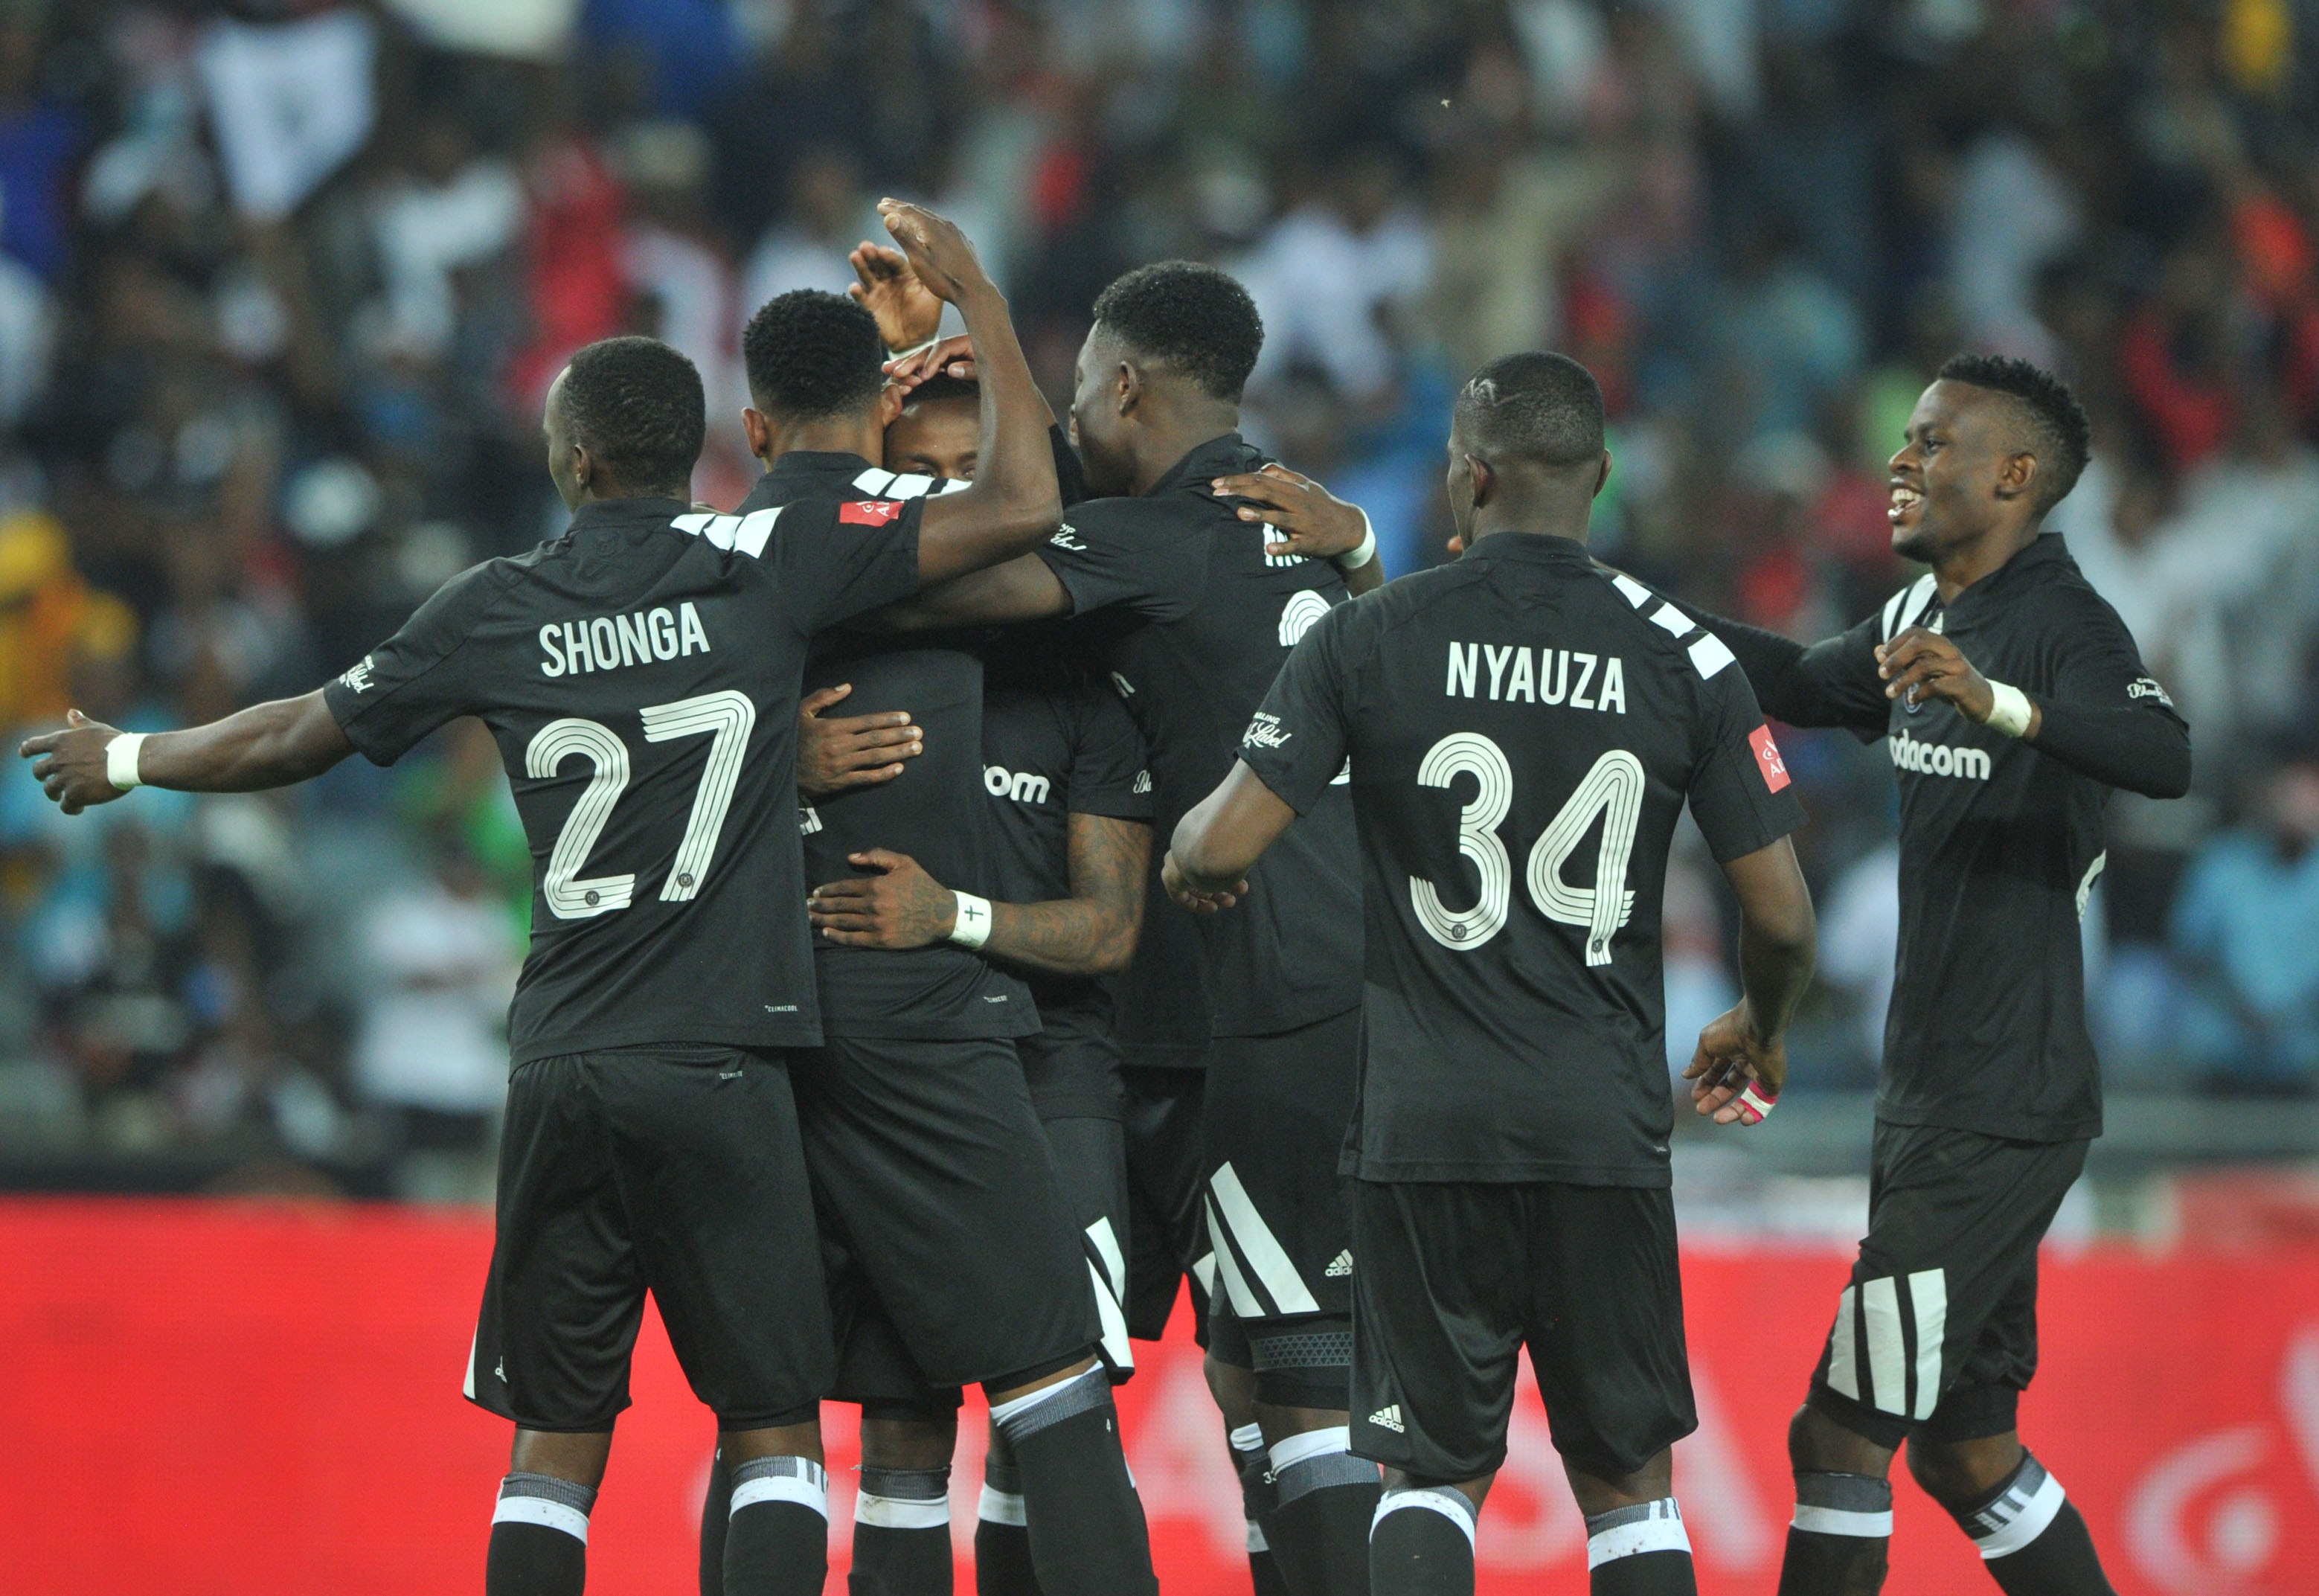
(357, 677)
(869, 512)
(1767, 757)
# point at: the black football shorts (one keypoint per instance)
(1457, 1277)
(673, 1169)
(1936, 1333)
(1168, 1235)
(1276, 1210)
(931, 1173)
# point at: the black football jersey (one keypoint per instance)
(1193, 619)
(1055, 743)
(640, 675)
(1999, 847)
(1524, 727)
(933, 811)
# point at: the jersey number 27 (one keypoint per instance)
(724, 718)
(1613, 787)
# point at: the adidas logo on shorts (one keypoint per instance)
(1387, 1418)
(1339, 1265)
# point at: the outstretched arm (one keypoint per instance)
(274, 745)
(1091, 932)
(1742, 1059)
(1219, 841)
(1013, 501)
(1831, 682)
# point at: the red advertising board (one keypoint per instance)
(246, 1400)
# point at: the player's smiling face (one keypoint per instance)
(1946, 479)
(936, 437)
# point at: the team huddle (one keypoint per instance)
(1005, 879)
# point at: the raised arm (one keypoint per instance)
(1833, 683)
(1013, 501)
(1742, 1059)
(1221, 840)
(275, 744)
(1091, 932)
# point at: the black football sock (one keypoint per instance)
(901, 1533)
(539, 1537)
(1002, 1546)
(1838, 1542)
(716, 1514)
(1639, 1551)
(2032, 1540)
(777, 1539)
(1253, 1465)
(1086, 1522)
(1324, 1499)
(1422, 1543)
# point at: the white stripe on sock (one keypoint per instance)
(1928, 1293)
(1822, 1520)
(1264, 1254)
(1310, 1444)
(812, 1493)
(2028, 1524)
(1000, 1507)
(539, 1510)
(891, 1512)
(1843, 1364)
(1663, 1531)
(1256, 1541)
(1012, 1408)
(1451, 1505)
(1248, 1438)
(1888, 1357)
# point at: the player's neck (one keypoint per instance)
(1164, 441)
(1526, 520)
(1958, 568)
(828, 434)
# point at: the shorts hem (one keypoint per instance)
(1444, 1172)
(768, 1038)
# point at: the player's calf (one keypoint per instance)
(770, 1494)
(1839, 1540)
(901, 1516)
(1084, 1521)
(2031, 1537)
(1421, 1537)
(1635, 1544)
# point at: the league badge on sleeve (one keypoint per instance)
(869, 512)
(1767, 757)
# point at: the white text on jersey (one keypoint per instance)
(609, 642)
(1555, 676)
(1023, 786)
(1938, 758)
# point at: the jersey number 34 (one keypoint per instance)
(1613, 789)
(723, 717)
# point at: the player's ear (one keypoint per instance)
(890, 404)
(1127, 390)
(1484, 481)
(2015, 475)
(1601, 475)
(758, 430)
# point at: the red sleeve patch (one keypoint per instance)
(870, 512)
(1767, 757)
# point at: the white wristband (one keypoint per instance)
(973, 926)
(1353, 559)
(120, 760)
(2011, 713)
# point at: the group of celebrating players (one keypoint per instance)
(863, 1029)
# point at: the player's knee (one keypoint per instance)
(915, 1441)
(1234, 1388)
(1959, 1474)
(1818, 1444)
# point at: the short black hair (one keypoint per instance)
(1190, 316)
(943, 386)
(1541, 407)
(812, 355)
(635, 404)
(2060, 436)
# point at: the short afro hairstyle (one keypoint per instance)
(2059, 435)
(635, 404)
(1191, 317)
(1542, 408)
(943, 386)
(812, 355)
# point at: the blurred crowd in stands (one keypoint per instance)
(282, 285)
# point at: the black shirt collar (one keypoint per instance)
(1528, 546)
(2035, 560)
(813, 464)
(623, 514)
(1228, 455)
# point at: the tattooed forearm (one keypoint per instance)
(1092, 931)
